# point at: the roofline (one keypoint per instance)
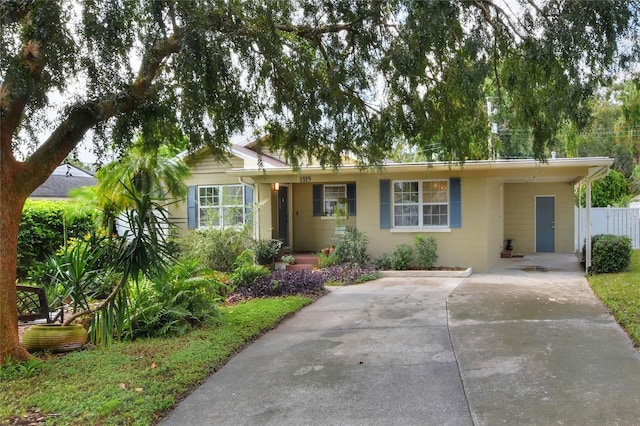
(500, 164)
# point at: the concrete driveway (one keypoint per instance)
(531, 345)
(535, 346)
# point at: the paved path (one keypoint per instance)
(531, 345)
(372, 354)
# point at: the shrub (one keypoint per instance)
(185, 297)
(348, 275)
(426, 251)
(284, 283)
(383, 262)
(216, 248)
(42, 231)
(352, 247)
(245, 272)
(265, 251)
(326, 260)
(401, 257)
(610, 253)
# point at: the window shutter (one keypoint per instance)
(456, 203)
(351, 198)
(192, 222)
(318, 209)
(248, 201)
(385, 204)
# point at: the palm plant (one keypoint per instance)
(142, 251)
(145, 172)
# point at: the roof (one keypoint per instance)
(570, 170)
(63, 179)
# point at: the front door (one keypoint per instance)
(545, 224)
(283, 215)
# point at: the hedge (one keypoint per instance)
(42, 230)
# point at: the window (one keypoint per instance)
(327, 197)
(221, 206)
(334, 195)
(421, 203)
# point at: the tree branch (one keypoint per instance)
(84, 116)
(15, 93)
(309, 32)
(480, 4)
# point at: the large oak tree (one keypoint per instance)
(321, 77)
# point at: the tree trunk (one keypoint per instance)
(10, 214)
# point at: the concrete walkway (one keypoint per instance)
(531, 345)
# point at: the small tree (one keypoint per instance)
(612, 190)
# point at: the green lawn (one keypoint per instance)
(621, 293)
(134, 383)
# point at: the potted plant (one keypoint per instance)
(508, 249)
(288, 259)
(73, 273)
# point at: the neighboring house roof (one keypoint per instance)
(64, 178)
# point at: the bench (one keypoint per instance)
(33, 305)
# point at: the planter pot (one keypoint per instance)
(54, 337)
(506, 254)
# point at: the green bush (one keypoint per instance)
(176, 302)
(42, 231)
(426, 251)
(265, 251)
(352, 247)
(216, 248)
(401, 257)
(245, 272)
(610, 253)
(326, 260)
(383, 262)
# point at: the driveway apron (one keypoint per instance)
(378, 353)
(535, 346)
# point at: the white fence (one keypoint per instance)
(609, 220)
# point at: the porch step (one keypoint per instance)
(299, 266)
(306, 259)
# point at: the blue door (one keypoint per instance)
(545, 224)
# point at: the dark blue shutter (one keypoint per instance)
(385, 204)
(351, 198)
(456, 203)
(248, 201)
(192, 222)
(318, 209)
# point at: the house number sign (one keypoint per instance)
(305, 179)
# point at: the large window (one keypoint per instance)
(221, 206)
(421, 203)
